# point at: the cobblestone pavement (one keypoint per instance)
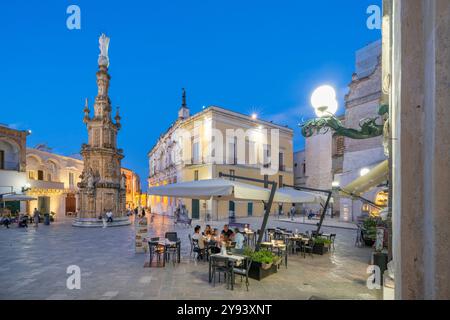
(33, 265)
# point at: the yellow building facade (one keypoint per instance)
(218, 140)
(132, 187)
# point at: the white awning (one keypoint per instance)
(212, 188)
(17, 197)
(232, 190)
(290, 195)
(363, 184)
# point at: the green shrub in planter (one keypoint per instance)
(321, 245)
(322, 240)
(263, 265)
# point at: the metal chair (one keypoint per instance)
(243, 270)
(221, 265)
(171, 252)
(172, 236)
(196, 249)
(156, 249)
(309, 246)
(282, 252)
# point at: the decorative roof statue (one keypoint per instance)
(103, 59)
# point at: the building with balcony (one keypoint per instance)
(13, 178)
(218, 140)
(53, 181)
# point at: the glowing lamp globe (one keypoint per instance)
(364, 171)
(324, 101)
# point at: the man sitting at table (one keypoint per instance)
(239, 239)
(199, 238)
(226, 233)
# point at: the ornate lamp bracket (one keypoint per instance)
(369, 127)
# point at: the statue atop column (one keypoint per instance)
(103, 59)
(102, 186)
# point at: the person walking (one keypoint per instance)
(292, 212)
(36, 217)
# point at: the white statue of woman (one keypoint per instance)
(103, 58)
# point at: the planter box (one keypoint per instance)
(258, 273)
(320, 249)
(367, 241)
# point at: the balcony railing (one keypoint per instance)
(282, 168)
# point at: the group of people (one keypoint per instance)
(22, 220)
(211, 240)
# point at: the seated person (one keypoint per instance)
(199, 239)
(109, 216)
(6, 221)
(239, 239)
(208, 230)
(226, 233)
(23, 221)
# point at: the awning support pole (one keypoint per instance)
(361, 198)
(268, 207)
(324, 211)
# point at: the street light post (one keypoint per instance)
(325, 105)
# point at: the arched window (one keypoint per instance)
(9, 155)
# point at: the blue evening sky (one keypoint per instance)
(245, 55)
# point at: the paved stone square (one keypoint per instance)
(33, 265)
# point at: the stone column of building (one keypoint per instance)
(420, 123)
(103, 186)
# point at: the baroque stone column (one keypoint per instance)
(102, 187)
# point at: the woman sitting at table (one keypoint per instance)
(199, 239)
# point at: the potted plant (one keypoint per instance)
(263, 265)
(369, 231)
(321, 245)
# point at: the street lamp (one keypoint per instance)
(364, 171)
(324, 101)
(325, 105)
(335, 184)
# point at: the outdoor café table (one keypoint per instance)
(166, 243)
(234, 259)
(266, 244)
(297, 238)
